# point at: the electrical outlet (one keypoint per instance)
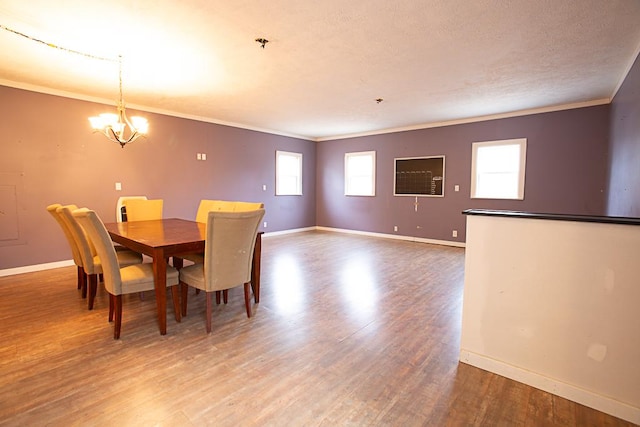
(265, 224)
(118, 186)
(395, 228)
(264, 187)
(455, 233)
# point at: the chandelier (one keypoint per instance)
(116, 126)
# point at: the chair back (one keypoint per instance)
(207, 206)
(143, 210)
(247, 206)
(85, 246)
(53, 210)
(229, 245)
(97, 232)
(121, 204)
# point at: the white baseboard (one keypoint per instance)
(394, 236)
(36, 267)
(50, 265)
(568, 391)
(293, 230)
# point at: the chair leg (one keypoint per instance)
(218, 297)
(247, 298)
(175, 296)
(184, 290)
(111, 307)
(81, 277)
(225, 295)
(84, 284)
(118, 323)
(209, 311)
(93, 289)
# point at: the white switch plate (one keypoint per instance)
(456, 188)
(204, 156)
(198, 156)
(455, 233)
(118, 186)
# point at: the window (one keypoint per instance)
(360, 173)
(288, 173)
(498, 169)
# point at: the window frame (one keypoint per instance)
(279, 175)
(522, 143)
(348, 177)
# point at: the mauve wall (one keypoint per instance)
(566, 173)
(624, 157)
(50, 155)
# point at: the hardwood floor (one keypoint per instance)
(350, 330)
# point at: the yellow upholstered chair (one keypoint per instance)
(228, 257)
(246, 206)
(143, 210)
(91, 262)
(77, 259)
(120, 205)
(207, 206)
(119, 280)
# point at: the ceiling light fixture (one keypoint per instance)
(262, 41)
(379, 100)
(117, 127)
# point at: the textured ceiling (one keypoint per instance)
(326, 62)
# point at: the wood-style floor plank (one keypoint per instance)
(350, 331)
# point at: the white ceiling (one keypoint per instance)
(326, 62)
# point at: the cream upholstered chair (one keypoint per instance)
(91, 262)
(143, 210)
(77, 259)
(207, 206)
(122, 280)
(228, 257)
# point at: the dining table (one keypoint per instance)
(166, 238)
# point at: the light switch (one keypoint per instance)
(204, 156)
(198, 156)
(456, 188)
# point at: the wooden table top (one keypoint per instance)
(171, 234)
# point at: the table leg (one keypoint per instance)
(160, 282)
(255, 268)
